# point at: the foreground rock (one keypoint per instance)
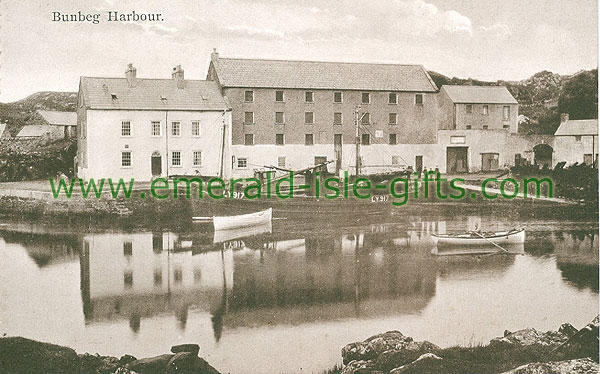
(531, 336)
(24, 356)
(578, 366)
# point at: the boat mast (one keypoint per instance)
(221, 171)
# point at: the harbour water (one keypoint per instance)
(287, 298)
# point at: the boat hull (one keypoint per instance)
(244, 220)
(507, 237)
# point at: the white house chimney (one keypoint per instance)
(177, 75)
(564, 117)
(130, 74)
(214, 56)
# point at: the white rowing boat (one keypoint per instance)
(515, 236)
(243, 220)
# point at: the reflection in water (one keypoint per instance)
(312, 288)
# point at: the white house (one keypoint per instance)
(63, 124)
(576, 141)
(145, 128)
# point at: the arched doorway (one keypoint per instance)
(542, 155)
(156, 163)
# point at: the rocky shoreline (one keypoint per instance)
(24, 356)
(527, 351)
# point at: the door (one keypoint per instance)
(337, 149)
(456, 160)
(418, 164)
(489, 161)
(156, 166)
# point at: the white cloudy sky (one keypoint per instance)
(484, 39)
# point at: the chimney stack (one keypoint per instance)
(177, 75)
(564, 117)
(130, 74)
(214, 56)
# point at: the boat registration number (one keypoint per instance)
(379, 198)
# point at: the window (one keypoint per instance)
(249, 139)
(486, 110)
(126, 158)
(176, 128)
(578, 138)
(278, 95)
(249, 118)
(309, 139)
(366, 98)
(337, 139)
(155, 127)
(242, 162)
(468, 127)
(249, 96)
(469, 108)
(128, 279)
(587, 159)
(505, 126)
(127, 248)
(506, 113)
(419, 99)
(309, 97)
(393, 139)
(176, 158)
(393, 119)
(485, 127)
(125, 128)
(309, 118)
(366, 119)
(157, 277)
(279, 139)
(279, 118)
(366, 139)
(337, 97)
(337, 118)
(197, 158)
(392, 98)
(395, 160)
(195, 128)
(281, 162)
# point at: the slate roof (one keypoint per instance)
(147, 94)
(33, 131)
(59, 118)
(479, 94)
(256, 73)
(578, 127)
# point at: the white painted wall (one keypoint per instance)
(570, 150)
(105, 143)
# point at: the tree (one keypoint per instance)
(579, 97)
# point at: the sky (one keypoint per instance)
(482, 39)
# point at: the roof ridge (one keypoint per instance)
(149, 79)
(319, 62)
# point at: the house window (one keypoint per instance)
(468, 127)
(366, 119)
(337, 118)
(127, 248)
(366, 139)
(393, 119)
(197, 158)
(126, 158)
(506, 113)
(393, 139)
(337, 97)
(505, 126)
(249, 139)
(309, 97)
(249, 118)
(309, 139)
(279, 118)
(278, 95)
(337, 139)
(578, 138)
(309, 118)
(281, 162)
(176, 158)
(366, 98)
(486, 110)
(485, 127)
(392, 98)
(157, 277)
(155, 127)
(125, 128)
(469, 108)
(195, 128)
(279, 139)
(395, 160)
(249, 96)
(176, 128)
(419, 99)
(242, 162)
(128, 279)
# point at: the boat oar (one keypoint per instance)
(483, 237)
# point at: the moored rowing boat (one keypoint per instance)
(515, 236)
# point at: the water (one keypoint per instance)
(289, 300)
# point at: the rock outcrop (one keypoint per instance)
(578, 366)
(531, 336)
